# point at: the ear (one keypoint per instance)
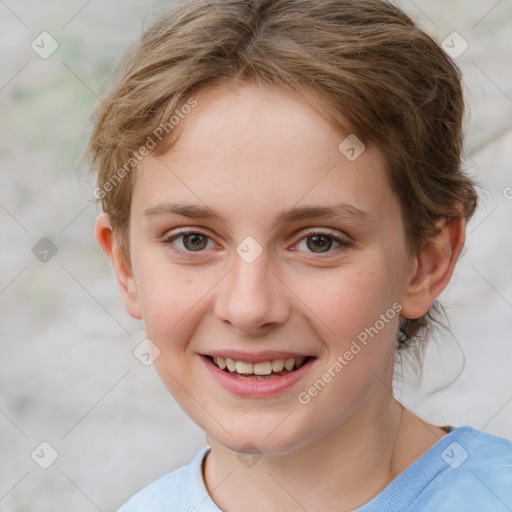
(122, 268)
(432, 269)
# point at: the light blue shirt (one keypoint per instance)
(465, 471)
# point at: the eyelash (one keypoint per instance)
(311, 233)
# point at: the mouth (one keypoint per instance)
(262, 370)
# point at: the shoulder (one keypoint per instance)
(465, 471)
(176, 491)
(476, 451)
(474, 473)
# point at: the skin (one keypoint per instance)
(250, 153)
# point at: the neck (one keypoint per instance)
(346, 468)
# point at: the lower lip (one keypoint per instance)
(253, 388)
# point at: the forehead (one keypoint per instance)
(262, 149)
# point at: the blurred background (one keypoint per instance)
(73, 396)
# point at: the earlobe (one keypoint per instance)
(433, 267)
(122, 268)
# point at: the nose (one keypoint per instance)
(252, 298)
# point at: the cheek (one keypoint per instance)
(171, 297)
(173, 303)
(357, 316)
(349, 300)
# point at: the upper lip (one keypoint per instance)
(255, 357)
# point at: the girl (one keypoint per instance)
(283, 201)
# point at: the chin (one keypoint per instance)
(251, 438)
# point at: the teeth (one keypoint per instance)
(289, 363)
(242, 367)
(278, 365)
(263, 368)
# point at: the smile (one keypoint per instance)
(260, 371)
(267, 375)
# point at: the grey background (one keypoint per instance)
(69, 376)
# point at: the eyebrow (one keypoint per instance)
(342, 211)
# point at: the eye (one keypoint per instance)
(189, 241)
(319, 242)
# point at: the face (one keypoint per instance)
(255, 239)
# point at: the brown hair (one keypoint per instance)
(370, 63)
